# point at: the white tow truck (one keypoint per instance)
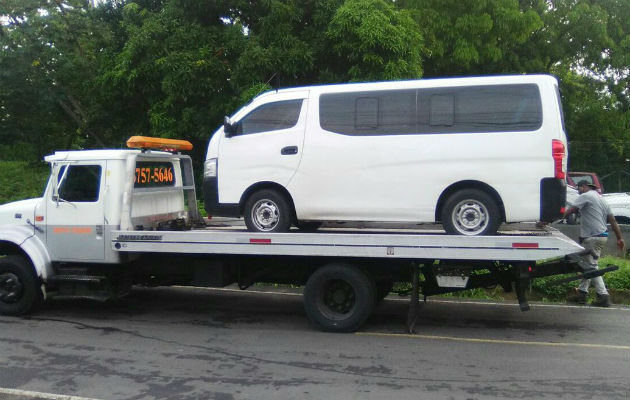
(111, 219)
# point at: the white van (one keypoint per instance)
(468, 152)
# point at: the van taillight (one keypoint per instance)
(557, 152)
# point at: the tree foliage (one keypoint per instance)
(83, 73)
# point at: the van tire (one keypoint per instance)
(471, 212)
(339, 297)
(20, 290)
(267, 211)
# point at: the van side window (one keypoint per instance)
(270, 117)
(81, 183)
(366, 113)
(442, 110)
(385, 112)
(465, 109)
(473, 109)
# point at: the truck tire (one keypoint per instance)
(267, 211)
(19, 287)
(471, 212)
(339, 297)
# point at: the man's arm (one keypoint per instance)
(570, 211)
(613, 222)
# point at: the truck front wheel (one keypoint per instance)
(339, 297)
(19, 287)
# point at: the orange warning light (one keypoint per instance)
(147, 142)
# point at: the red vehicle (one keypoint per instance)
(574, 177)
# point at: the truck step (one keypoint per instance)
(78, 278)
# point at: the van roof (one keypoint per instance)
(419, 83)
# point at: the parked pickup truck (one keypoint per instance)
(111, 219)
(591, 177)
(620, 206)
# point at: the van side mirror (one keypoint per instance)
(229, 128)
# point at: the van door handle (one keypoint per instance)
(289, 150)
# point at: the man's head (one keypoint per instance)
(584, 186)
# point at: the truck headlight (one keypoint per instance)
(210, 168)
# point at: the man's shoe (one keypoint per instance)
(602, 300)
(579, 297)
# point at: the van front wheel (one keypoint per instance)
(267, 211)
(471, 212)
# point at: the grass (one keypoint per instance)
(543, 289)
(21, 180)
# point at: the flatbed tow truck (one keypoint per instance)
(111, 219)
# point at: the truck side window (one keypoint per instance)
(270, 117)
(81, 184)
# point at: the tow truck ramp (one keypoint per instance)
(513, 246)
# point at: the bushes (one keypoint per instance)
(620, 279)
(617, 282)
(22, 180)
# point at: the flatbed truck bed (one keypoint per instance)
(418, 244)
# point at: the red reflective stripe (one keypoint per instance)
(260, 241)
(525, 245)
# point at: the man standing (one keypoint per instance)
(594, 212)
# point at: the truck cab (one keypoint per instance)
(89, 194)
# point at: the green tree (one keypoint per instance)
(471, 37)
(373, 40)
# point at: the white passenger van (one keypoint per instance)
(468, 152)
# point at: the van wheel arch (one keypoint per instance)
(469, 184)
(261, 186)
(261, 201)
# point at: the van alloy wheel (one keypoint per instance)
(268, 210)
(471, 212)
(265, 215)
(470, 217)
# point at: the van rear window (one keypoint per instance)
(468, 109)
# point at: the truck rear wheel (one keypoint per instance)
(339, 297)
(19, 287)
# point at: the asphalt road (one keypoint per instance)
(182, 343)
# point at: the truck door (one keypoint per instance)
(75, 212)
(267, 146)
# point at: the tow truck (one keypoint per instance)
(112, 219)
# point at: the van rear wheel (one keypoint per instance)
(471, 212)
(267, 211)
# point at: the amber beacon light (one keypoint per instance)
(146, 142)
